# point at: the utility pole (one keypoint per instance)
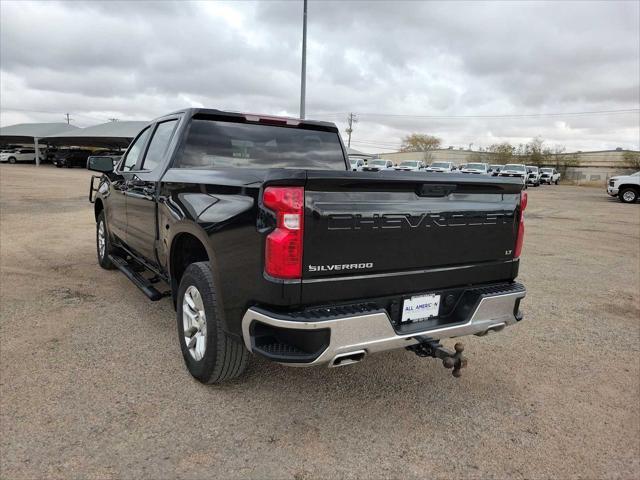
(303, 76)
(68, 119)
(351, 119)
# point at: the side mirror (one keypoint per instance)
(100, 164)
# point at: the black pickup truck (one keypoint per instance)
(268, 243)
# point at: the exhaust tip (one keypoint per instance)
(347, 358)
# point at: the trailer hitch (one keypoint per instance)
(432, 348)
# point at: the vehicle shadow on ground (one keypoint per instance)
(397, 382)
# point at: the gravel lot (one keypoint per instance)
(93, 385)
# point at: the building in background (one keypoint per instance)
(595, 166)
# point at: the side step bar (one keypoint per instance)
(138, 280)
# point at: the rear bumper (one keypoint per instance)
(368, 331)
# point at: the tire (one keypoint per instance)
(556, 182)
(628, 195)
(103, 253)
(12, 159)
(223, 357)
(58, 165)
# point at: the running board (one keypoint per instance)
(138, 280)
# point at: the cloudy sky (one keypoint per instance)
(470, 73)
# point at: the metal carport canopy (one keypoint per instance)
(32, 132)
(26, 132)
(107, 135)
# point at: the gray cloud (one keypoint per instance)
(142, 59)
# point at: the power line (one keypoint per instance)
(509, 115)
(52, 113)
(375, 146)
(381, 144)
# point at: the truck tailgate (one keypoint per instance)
(373, 229)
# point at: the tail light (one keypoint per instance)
(520, 237)
(283, 248)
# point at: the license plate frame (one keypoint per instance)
(420, 307)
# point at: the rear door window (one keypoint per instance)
(213, 144)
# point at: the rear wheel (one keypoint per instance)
(12, 159)
(556, 182)
(103, 244)
(628, 195)
(210, 354)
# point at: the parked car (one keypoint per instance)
(357, 164)
(411, 166)
(441, 167)
(533, 175)
(549, 176)
(477, 168)
(267, 244)
(18, 155)
(378, 165)
(513, 170)
(625, 187)
(71, 158)
(494, 170)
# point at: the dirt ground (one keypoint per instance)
(93, 384)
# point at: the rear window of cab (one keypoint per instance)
(214, 144)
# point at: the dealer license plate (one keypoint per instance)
(420, 307)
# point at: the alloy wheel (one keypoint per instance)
(194, 322)
(102, 240)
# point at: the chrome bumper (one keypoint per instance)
(373, 332)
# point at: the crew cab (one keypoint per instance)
(477, 168)
(267, 243)
(410, 166)
(625, 187)
(444, 167)
(533, 175)
(378, 165)
(514, 170)
(549, 175)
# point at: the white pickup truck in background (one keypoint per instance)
(625, 187)
(549, 175)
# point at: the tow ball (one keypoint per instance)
(432, 348)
